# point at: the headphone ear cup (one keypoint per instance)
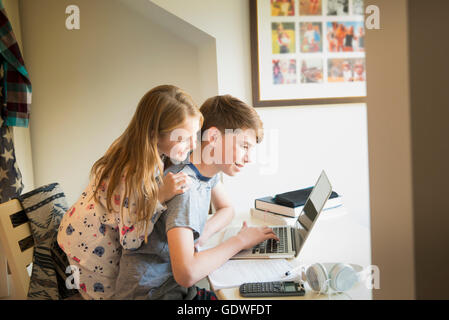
(316, 276)
(342, 277)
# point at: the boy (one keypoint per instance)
(168, 266)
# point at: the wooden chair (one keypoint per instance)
(18, 246)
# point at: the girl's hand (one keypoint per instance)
(172, 185)
(250, 236)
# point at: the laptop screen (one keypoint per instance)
(314, 204)
(320, 192)
(310, 211)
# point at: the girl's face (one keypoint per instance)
(178, 143)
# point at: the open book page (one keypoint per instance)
(235, 272)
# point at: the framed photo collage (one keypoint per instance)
(308, 51)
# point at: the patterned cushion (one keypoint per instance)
(44, 208)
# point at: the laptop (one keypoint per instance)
(291, 238)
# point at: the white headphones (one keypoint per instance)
(341, 277)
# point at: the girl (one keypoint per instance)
(350, 37)
(283, 39)
(126, 195)
(341, 36)
(314, 6)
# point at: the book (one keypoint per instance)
(270, 204)
(297, 198)
(270, 218)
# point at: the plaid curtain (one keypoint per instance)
(16, 84)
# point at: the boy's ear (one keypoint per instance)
(213, 135)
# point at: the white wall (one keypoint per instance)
(228, 22)
(299, 143)
(87, 82)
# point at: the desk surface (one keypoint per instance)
(333, 239)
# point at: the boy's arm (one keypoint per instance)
(189, 266)
(223, 215)
(183, 227)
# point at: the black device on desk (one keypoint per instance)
(272, 289)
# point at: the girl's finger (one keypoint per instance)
(181, 179)
(180, 183)
(179, 175)
(173, 177)
(181, 190)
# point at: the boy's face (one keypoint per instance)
(236, 150)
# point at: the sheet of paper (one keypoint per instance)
(235, 272)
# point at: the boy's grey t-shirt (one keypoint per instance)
(146, 273)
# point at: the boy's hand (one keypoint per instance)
(173, 184)
(201, 241)
(250, 236)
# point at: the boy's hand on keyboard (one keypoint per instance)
(250, 236)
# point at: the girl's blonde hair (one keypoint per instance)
(134, 156)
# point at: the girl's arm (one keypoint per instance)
(189, 266)
(223, 215)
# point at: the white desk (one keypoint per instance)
(333, 239)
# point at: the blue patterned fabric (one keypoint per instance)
(203, 294)
(10, 177)
(44, 208)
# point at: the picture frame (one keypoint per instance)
(307, 52)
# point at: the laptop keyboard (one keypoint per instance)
(273, 246)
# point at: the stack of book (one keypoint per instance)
(284, 208)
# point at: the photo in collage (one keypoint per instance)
(317, 50)
(346, 70)
(284, 71)
(283, 37)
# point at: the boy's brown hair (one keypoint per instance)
(228, 112)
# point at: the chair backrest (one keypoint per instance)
(18, 245)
